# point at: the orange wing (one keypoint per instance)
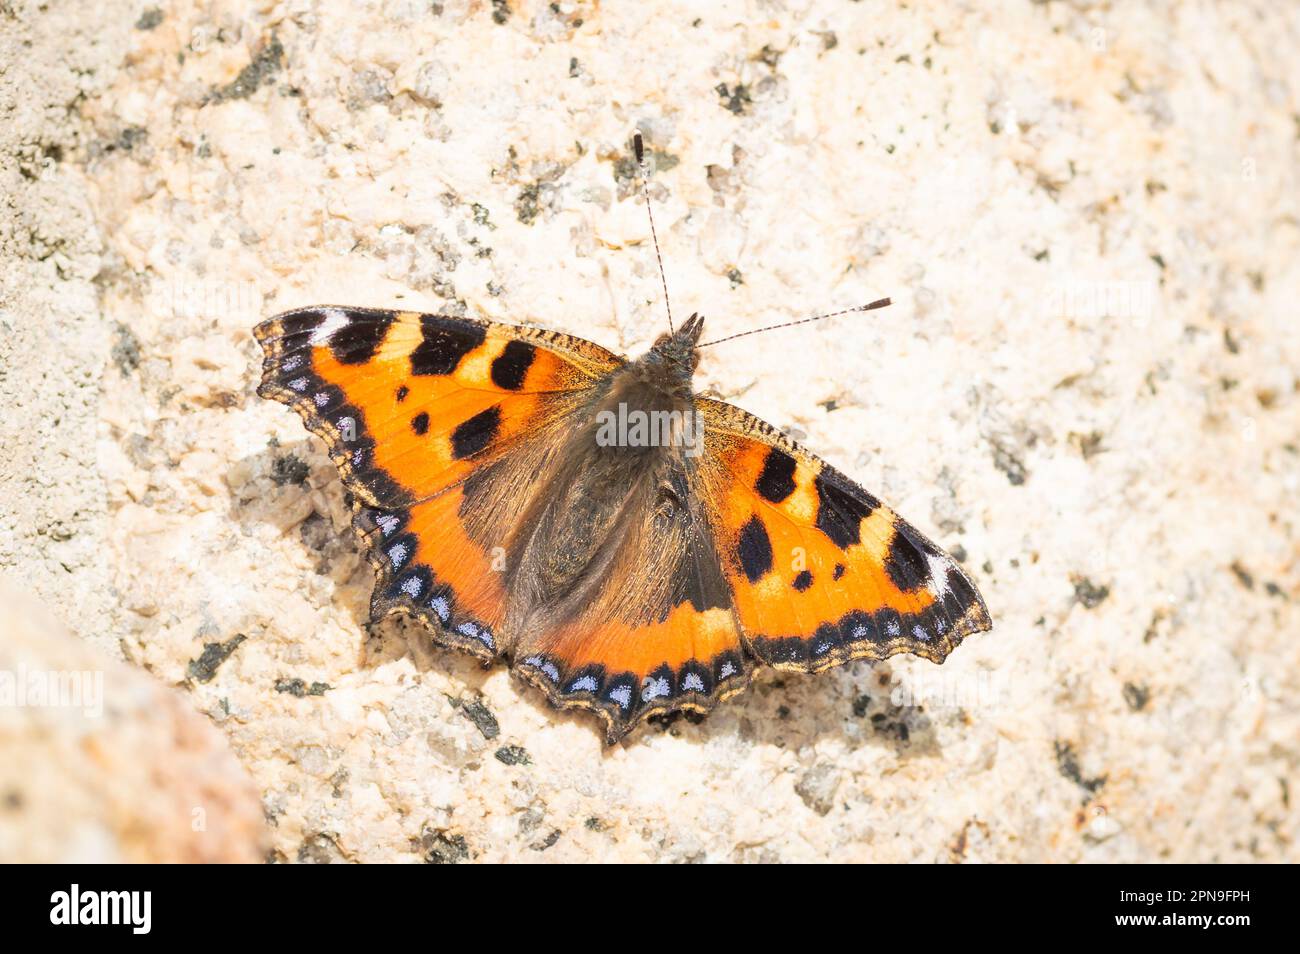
(411, 407)
(821, 572)
(656, 634)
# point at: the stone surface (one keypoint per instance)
(102, 764)
(1087, 389)
(53, 338)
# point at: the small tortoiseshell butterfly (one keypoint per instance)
(631, 547)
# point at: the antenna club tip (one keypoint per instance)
(638, 146)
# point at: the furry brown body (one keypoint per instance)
(600, 498)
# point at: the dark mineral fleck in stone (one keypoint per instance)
(288, 469)
(512, 755)
(482, 718)
(150, 17)
(213, 655)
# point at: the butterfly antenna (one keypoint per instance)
(645, 191)
(879, 303)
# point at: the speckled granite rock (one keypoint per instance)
(53, 338)
(103, 764)
(1087, 389)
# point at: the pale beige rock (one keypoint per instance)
(54, 340)
(1088, 222)
(102, 764)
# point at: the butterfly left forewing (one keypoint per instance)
(416, 410)
(821, 572)
(410, 404)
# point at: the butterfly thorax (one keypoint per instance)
(671, 363)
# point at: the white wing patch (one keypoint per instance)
(334, 320)
(939, 570)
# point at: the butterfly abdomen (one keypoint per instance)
(601, 493)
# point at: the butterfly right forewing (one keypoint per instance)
(820, 570)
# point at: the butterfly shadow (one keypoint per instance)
(854, 704)
(299, 479)
(394, 637)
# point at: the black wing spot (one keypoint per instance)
(839, 570)
(840, 513)
(301, 323)
(358, 340)
(754, 550)
(446, 342)
(473, 435)
(401, 393)
(803, 581)
(511, 366)
(420, 423)
(906, 564)
(776, 482)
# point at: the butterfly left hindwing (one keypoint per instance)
(655, 632)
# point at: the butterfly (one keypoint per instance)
(631, 547)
